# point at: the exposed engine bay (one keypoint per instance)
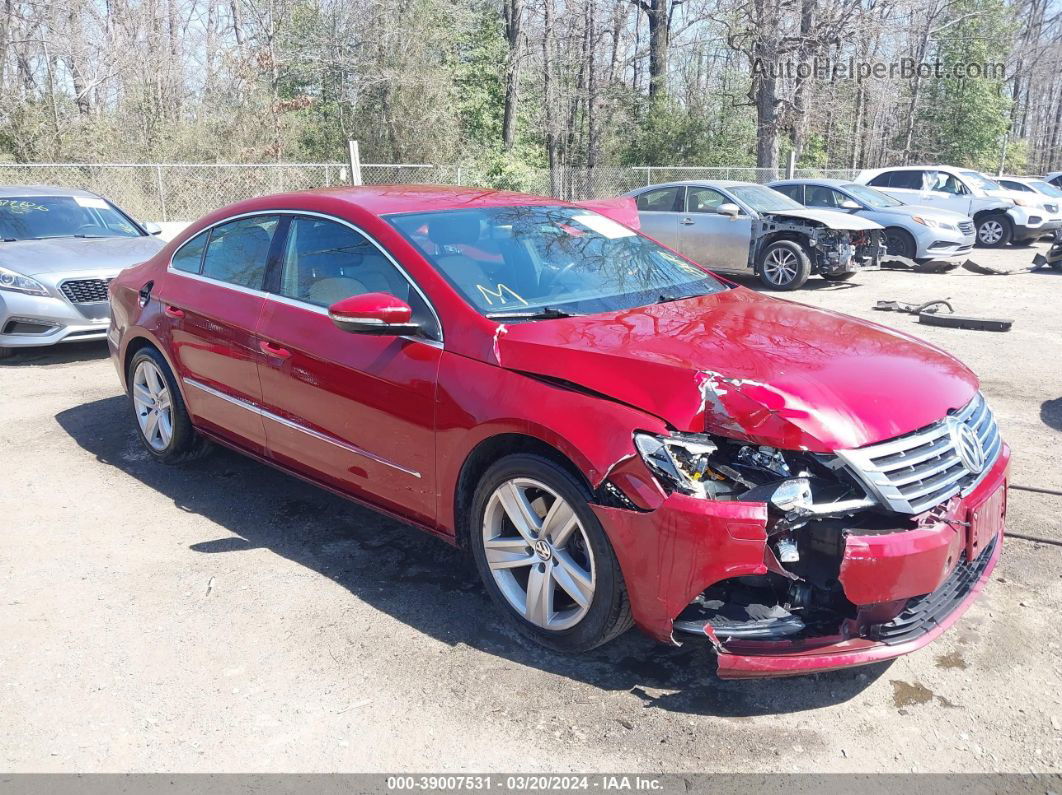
(815, 505)
(831, 250)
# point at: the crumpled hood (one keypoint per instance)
(71, 254)
(832, 218)
(748, 366)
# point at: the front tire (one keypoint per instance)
(543, 556)
(839, 277)
(899, 243)
(994, 231)
(784, 265)
(162, 421)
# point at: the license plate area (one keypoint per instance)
(986, 520)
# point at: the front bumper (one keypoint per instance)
(672, 554)
(942, 244)
(36, 320)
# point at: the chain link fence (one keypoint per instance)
(185, 191)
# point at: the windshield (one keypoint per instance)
(870, 196)
(549, 261)
(1045, 188)
(39, 217)
(763, 199)
(981, 181)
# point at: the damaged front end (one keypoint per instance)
(790, 562)
(832, 251)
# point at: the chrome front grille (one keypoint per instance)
(914, 472)
(85, 291)
(966, 227)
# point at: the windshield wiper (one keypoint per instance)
(545, 313)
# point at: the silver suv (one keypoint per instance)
(998, 217)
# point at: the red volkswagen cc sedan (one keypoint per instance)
(617, 435)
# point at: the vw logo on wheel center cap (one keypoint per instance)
(967, 446)
(542, 550)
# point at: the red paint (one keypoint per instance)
(373, 306)
(392, 420)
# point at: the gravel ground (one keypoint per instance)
(226, 617)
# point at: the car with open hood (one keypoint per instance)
(615, 434)
(916, 233)
(740, 226)
(59, 248)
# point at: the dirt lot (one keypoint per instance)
(225, 617)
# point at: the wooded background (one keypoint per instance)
(514, 86)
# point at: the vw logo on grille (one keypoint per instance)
(967, 446)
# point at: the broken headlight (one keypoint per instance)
(680, 461)
(791, 483)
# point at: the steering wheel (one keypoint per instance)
(557, 273)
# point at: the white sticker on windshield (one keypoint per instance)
(605, 227)
(91, 201)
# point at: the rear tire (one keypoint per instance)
(784, 265)
(552, 570)
(838, 277)
(994, 231)
(161, 419)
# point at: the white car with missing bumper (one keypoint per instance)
(59, 249)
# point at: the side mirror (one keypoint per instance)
(729, 209)
(152, 228)
(850, 204)
(373, 313)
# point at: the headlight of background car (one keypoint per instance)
(9, 280)
(930, 222)
(698, 465)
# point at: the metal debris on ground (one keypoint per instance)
(895, 262)
(940, 312)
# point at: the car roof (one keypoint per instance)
(835, 183)
(719, 183)
(387, 199)
(11, 191)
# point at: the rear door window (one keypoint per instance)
(794, 192)
(238, 250)
(659, 200)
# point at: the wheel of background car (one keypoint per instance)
(543, 556)
(784, 265)
(838, 277)
(162, 421)
(899, 242)
(994, 231)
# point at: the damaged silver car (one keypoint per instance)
(736, 226)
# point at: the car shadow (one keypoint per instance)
(65, 353)
(421, 580)
(1051, 413)
(815, 283)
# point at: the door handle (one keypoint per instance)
(686, 221)
(270, 349)
(173, 311)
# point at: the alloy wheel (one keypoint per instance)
(780, 266)
(153, 406)
(990, 232)
(539, 554)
